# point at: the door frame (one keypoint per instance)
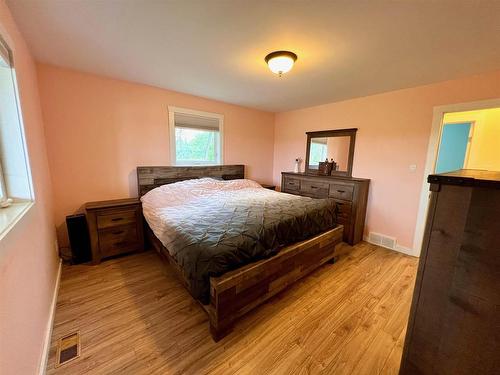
(432, 153)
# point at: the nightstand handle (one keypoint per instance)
(341, 191)
(117, 232)
(117, 219)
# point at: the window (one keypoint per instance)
(15, 178)
(195, 137)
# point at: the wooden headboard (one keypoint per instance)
(149, 178)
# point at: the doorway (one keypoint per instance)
(441, 157)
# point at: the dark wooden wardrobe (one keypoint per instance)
(454, 324)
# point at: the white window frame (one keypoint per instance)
(6, 53)
(172, 111)
(14, 206)
(28, 195)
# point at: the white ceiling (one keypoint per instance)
(216, 49)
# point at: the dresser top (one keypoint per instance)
(302, 174)
(467, 177)
(111, 203)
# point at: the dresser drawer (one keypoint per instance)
(291, 184)
(316, 189)
(120, 239)
(343, 210)
(112, 219)
(339, 191)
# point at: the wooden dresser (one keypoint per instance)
(350, 195)
(115, 227)
(454, 324)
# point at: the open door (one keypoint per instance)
(453, 147)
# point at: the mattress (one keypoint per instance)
(211, 227)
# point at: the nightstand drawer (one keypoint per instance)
(116, 218)
(119, 239)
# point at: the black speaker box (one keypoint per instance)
(79, 238)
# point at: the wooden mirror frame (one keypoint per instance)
(351, 132)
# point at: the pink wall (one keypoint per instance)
(28, 260)
(99, 130)
(393, 133)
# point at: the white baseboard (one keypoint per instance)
(50, 323)
(406, 250)
(398, 248)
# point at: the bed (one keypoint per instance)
(233, 243)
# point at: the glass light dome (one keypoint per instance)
(281, 62)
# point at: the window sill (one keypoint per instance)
(9, 216)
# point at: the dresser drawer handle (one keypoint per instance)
(118, 232)
(291, 183)
(117, 219)
(119, 243)
(314, 187)
(340, 191)
(340, 204)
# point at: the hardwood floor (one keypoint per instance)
(134, 317)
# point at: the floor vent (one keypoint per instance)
(68, 348)
(382, 240)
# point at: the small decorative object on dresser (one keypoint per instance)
(296, 168)
(115, 227)
(325, 168)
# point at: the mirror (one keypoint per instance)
(334, 146)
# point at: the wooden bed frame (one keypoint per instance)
(237, 292)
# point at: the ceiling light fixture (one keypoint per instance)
(281, 61)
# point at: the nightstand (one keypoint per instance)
(115, 227)
(270, 187)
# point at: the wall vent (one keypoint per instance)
(382, 240)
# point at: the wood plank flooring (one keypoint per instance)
(134, 317)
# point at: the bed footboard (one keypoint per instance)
(237, 292)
